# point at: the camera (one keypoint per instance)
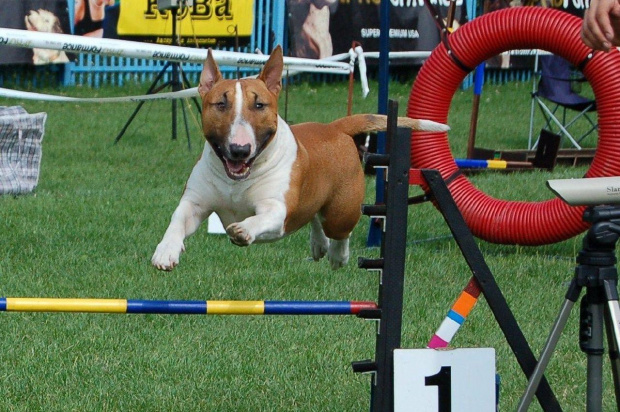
(173, 4)
(587, 191)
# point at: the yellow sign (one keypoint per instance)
(206, 18)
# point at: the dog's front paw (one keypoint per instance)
(239, 235)
(167, 254)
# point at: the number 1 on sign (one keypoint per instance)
(443, 381)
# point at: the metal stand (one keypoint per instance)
(596, 271)
(391, 264)
(178, 81)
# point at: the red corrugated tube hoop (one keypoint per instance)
(496, 220)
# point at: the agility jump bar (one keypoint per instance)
(185, 307)
(481, 164)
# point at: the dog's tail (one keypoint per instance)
(367, 123)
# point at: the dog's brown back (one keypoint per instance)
(337, 187)
(328, 152)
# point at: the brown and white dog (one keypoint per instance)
(45, 21)
(266, 179)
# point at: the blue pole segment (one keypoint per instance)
(2, 304)
(479, 79)
(307, 308)
(186, 307)
(374, 233)
(456, 317)
(471, 163)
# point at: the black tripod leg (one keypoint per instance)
(151, 90)
(176, 86)
(159, 76)
(174, 119)
(189, 85)
(186, 85)
(133, 115)
(197, 104)
(612, 328)
(591, 343)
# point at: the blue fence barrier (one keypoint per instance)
(95, 70)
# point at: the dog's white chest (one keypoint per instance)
(269, 180)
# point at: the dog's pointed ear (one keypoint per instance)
(272, 72)
(210, 74)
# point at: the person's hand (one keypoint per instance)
(601, 25)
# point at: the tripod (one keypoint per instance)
(596, 271)
(178, 81)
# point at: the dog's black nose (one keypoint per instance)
(238, 152)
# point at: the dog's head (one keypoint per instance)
(240, 117)
(42, 20)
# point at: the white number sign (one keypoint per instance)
(455, 380)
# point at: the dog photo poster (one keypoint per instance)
(49, 16)
(322, 28)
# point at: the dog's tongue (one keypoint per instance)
(235, 167)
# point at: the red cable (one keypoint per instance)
(496, 220)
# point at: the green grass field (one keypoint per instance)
(100, 209)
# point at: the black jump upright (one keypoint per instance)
(391, 264)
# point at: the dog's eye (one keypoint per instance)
(259, 105)
(221, 106)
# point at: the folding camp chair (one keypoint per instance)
(560, 105)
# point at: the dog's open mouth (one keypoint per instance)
(237, 170)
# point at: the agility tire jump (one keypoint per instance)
(491, 219)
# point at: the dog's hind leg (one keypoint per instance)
(338, 253)
(185, 220)
(318, 241)
(340, 220)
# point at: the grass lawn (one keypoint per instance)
(100, 209)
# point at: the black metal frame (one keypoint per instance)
(391, 264)
(491, 291)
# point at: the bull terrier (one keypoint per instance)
(266, 179)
